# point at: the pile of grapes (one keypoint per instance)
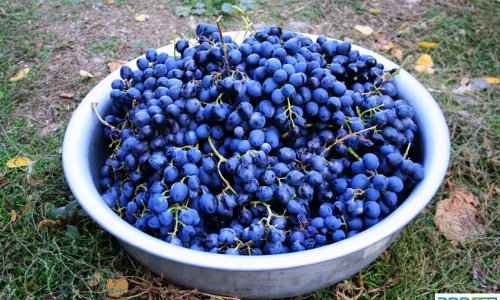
(278, 144)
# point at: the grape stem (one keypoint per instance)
(94, 107)
(351, 151)
(221, 160)
(224, 49)
(346, 137)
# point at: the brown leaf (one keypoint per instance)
(457, 216)
(47, 222)
(116, 287)
(116, 64)
(397, 53)
(67, 95)
(365, 30)
(13, 216)
(17, 162)
(464, 81)
(375, 10)
(38, 45)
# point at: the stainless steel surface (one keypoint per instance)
(270, 276)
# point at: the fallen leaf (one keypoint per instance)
(457, 216)
(375, 10)
(492, 80)
(20, 74)
(44, 223)
(397, 53)
(476, 84)
(13, 216)
(381, 40)
(116, 287)
(404, 28)
(86, 74)
(95, 279)
(16, 162)
(28, 284)
(116, 64)
(67, 95)
(161, 8)
(38, 45)
(428, 45)
(478, 274)
(111, 1)
(464, 80)
(26, 207)
(39, 4)
(141, 18)
(365, 30)
(424, 64)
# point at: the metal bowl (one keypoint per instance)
(269, 276)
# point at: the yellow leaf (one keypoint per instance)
(115, 65)
(424, 69)
(424, 60)
(13, 216)
(111, 1)
(428, 45)
(86, 74)
(116, 287)
(39, 4)
(365, 30)
(141, 18)
(404, 28)
(16, 162)
(492, 80)
(375, 10)
(95, 279)
(20, 74)
(397, 53)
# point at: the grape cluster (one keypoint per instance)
(278, 144)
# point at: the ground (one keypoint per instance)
(44, 256)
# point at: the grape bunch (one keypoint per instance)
(278, 144)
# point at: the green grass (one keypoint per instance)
(44, 255)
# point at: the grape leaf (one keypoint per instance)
(182, 10)
(20, 74)
(17, 162)
(227, 8)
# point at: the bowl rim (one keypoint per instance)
(79, 178)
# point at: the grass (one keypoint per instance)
(51, 256)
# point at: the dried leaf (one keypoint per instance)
(13, 216)
(141, 18)
(457, 216)
(67, 95)
(464, 81)
(116, 64)
(116, 287)
(375, 10)
(95, 279)
(17, 162)
(492, 80)
(111, 1)
(86, 74)
(428, 45)
(476, 84)
(365, 30)
(26, 207)
(424, 64)
(397, 53)
(46, 222)
(404, 28)
(38, 45)
(20, 74)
